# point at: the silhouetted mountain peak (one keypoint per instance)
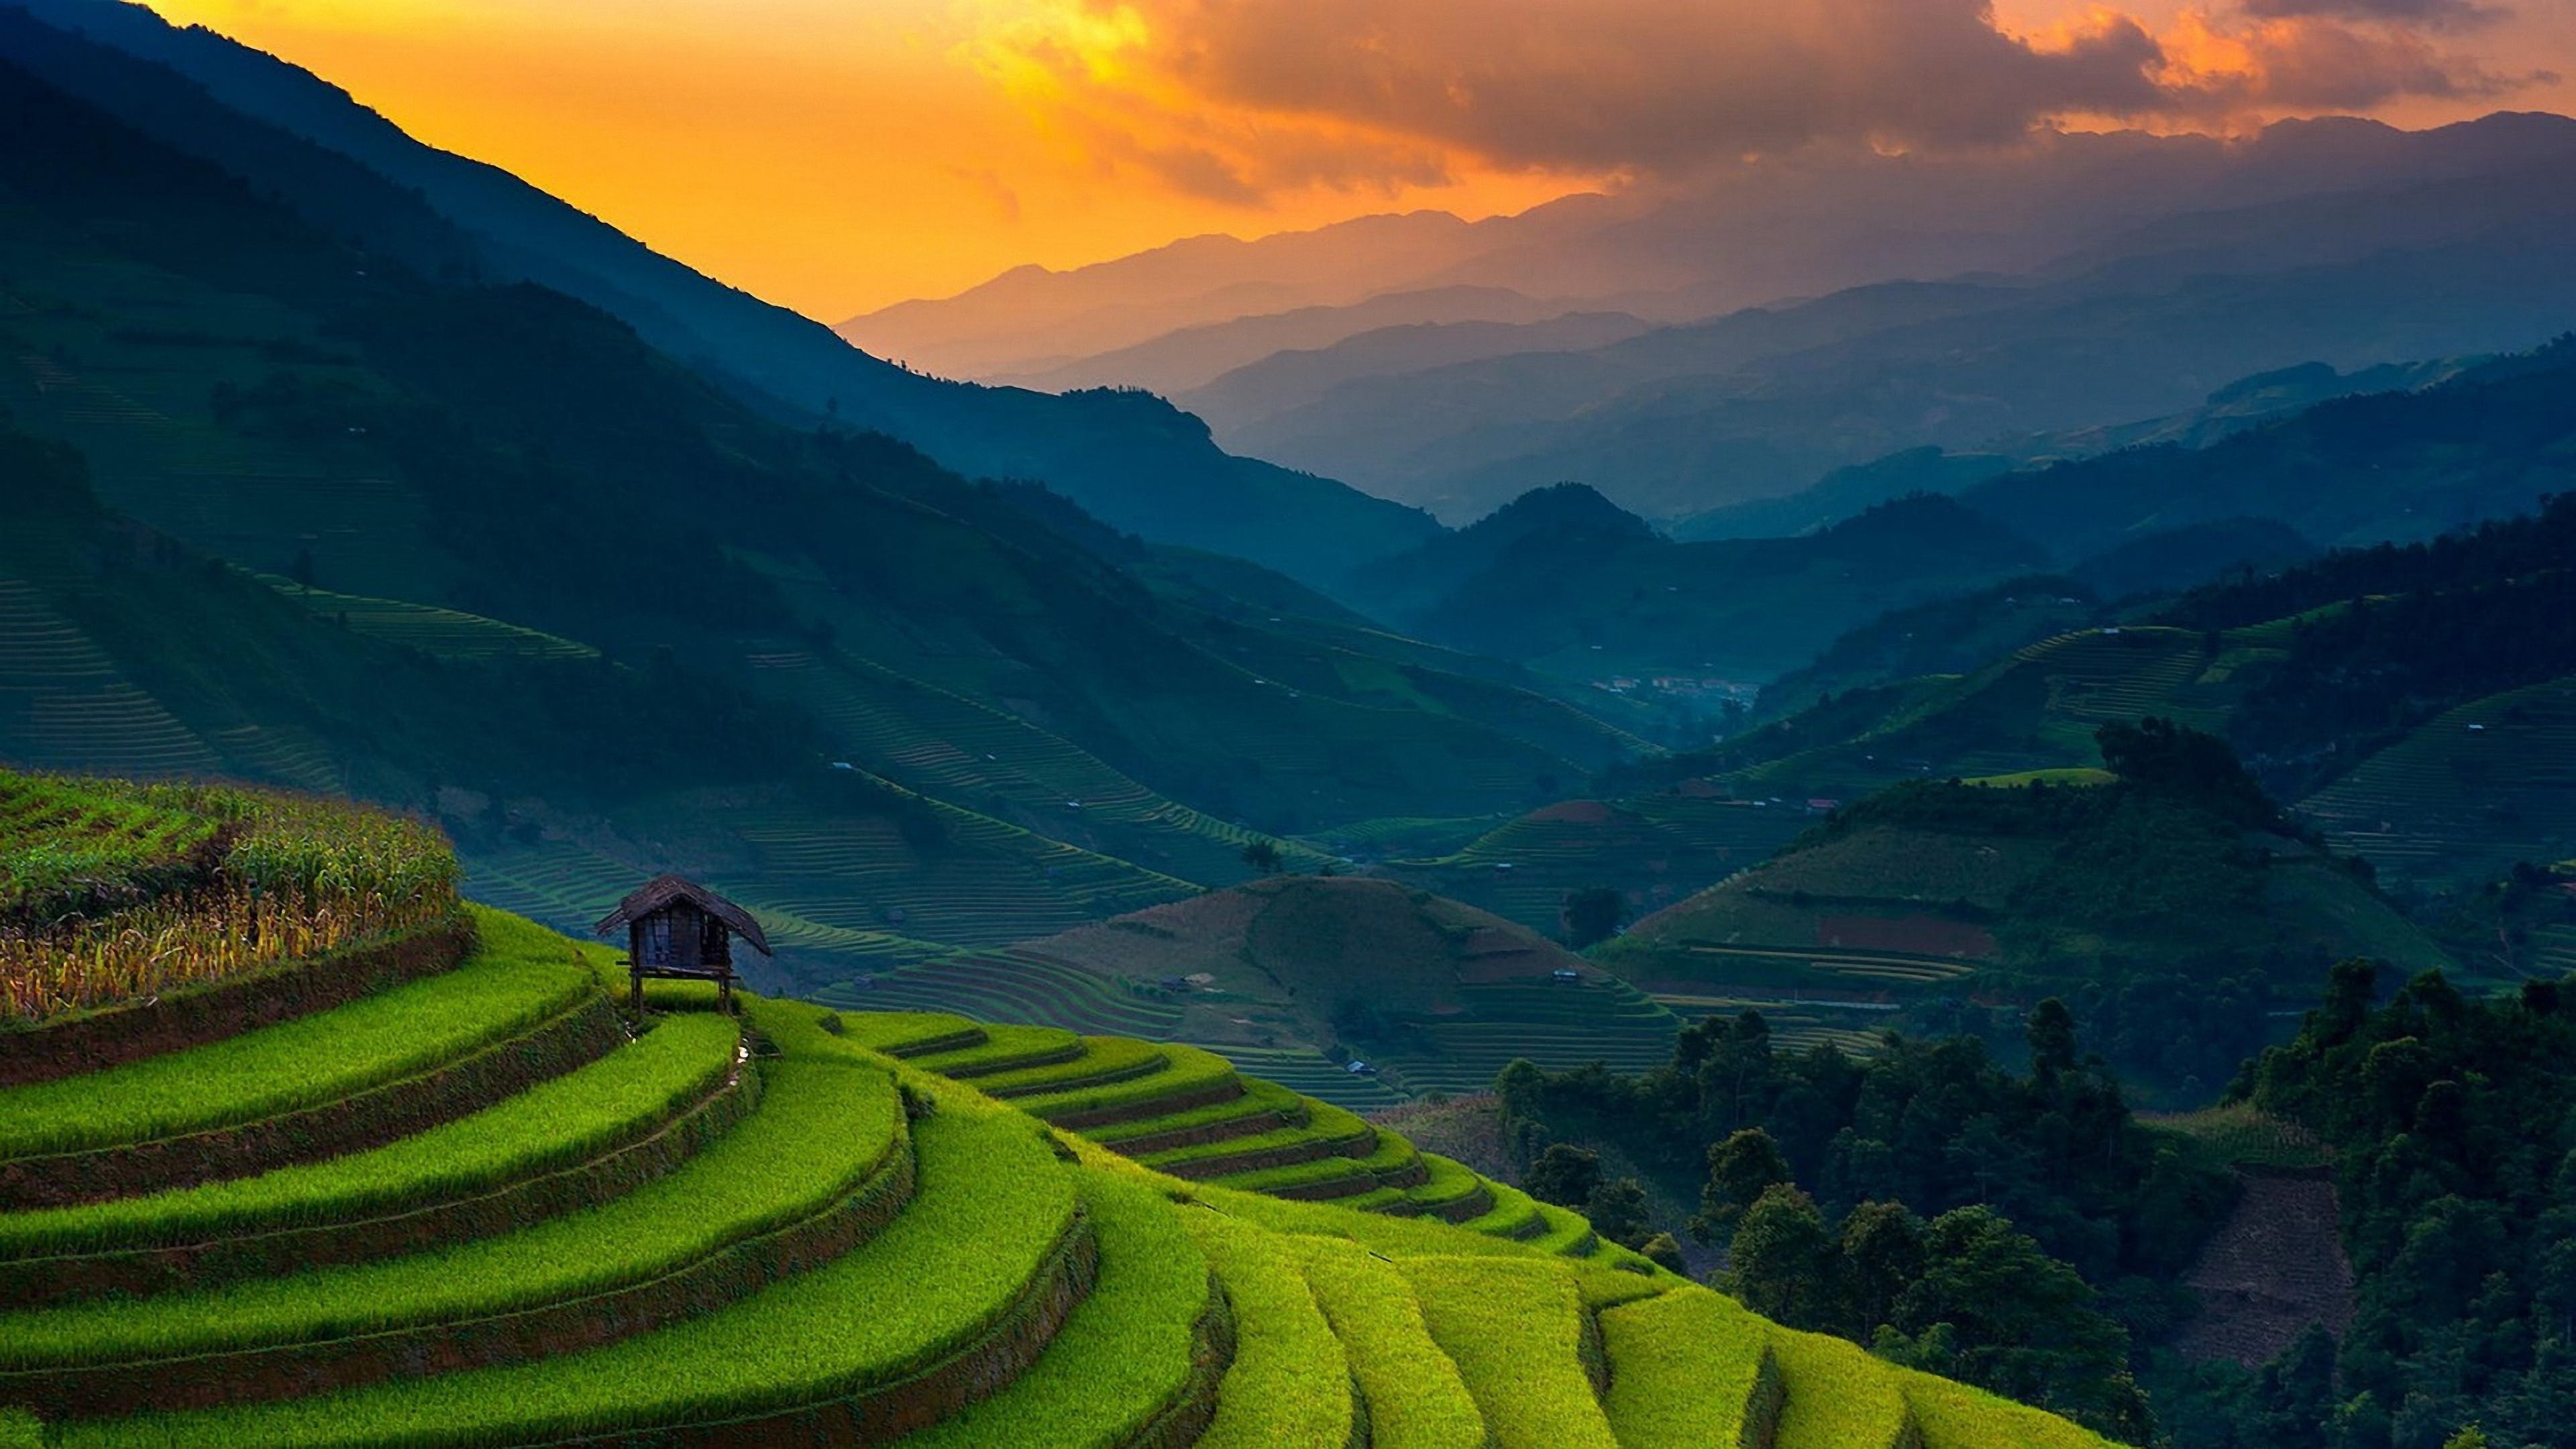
(1555, 509)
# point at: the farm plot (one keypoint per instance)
(438, 632)
(822, 1130)
(622, 1098)
(515, 982)
(824, 1242)
(2466, 794)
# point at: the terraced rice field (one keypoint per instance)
(440, 633)
(874, 1228)
(943, 743)
(1019, 986)
(2466, 794)
(1657, 848)
(2103, 676)
(1557, 1025)
(1850, 969)
(987, 884)
(64, 705)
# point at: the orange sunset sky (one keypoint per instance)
(838, 155)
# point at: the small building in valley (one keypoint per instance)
(677, 929)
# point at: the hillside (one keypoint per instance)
(477, 480)
(2355, 471)
(1654, 848)
(2408, 698)
(1132, 460)
(1566, 583)
(461, 1204)
(2116, 891)
(1282, 974)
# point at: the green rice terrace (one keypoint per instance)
(428, 1182)
(1293, 978)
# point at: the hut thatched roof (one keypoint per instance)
(662, 890)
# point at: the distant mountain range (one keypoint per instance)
(1135, 463)
(1687, 352)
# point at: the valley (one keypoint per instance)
(1901, 792)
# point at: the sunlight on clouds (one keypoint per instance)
(839, 154)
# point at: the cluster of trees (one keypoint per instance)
(1572, 1176)
(2399, 634)
(2453, 1123)
(1886, 1199)
(1966, 1295)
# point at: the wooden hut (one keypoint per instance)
(678, 929)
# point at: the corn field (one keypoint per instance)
(111, 891)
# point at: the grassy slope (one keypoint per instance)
(1426, 988)
(1429, 1322)
(1886, 908)
(262, 393)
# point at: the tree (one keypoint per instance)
(1665, 1252)
(1782, 1262)
(2051, 1034)
(2294, 1394)
(1740, 1170)
(1994, 1310)
(1518, 1087)
(1882, 1255)
(1565, 1175)
(2161, 756)
(1618, 1211)
(1263, 856)
(1591, 914)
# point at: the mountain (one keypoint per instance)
(893, 710)
(1288, 378)
(2144, 324)
(2411, 699)
(1031, 318)
(1570, 517)
(2245, 403)
(1176, 362)
(1564, 581)
(2402, 465)
(1139, 465)
(2173, 559)
(1784, 228)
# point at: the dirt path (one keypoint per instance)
(2275, 1266)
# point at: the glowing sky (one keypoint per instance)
(837, 155)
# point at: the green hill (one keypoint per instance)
(465, 1203)
(1654, 848)
(488, 492)
(1567, 584)
(1128, 457)
(1293, 976)
(2407, 697)
(2117, 895)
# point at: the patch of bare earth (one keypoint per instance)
(2275, 1266)
(1468, 1130)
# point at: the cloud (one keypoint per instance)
(2427, 14)
(1238, 99)
(2308, 63)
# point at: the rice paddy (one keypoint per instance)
(877, 1228)
(112, 891)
